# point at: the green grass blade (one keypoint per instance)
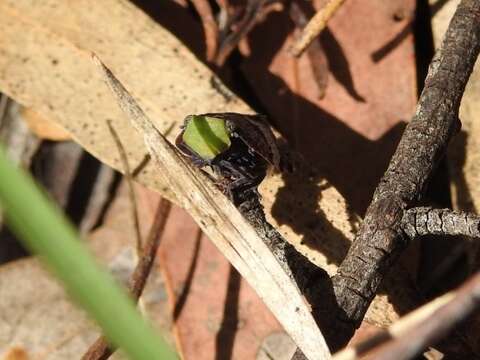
(45, 231)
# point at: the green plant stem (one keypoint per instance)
(44, 230)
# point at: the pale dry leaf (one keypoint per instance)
(15, 353)
(401, 327)
(48, 69)
(45, 65)
(42, 127)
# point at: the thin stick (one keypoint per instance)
(315, 52)
(131, 190)
(100, 349)
(407, 323)
(209, 27)
(140, 275)
(3, 107)
(255, 12)
(412, 340)
(315, 26)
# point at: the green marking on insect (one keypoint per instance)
(207, 136)
(238, 148)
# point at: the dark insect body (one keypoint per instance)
(238, 148)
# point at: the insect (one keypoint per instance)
(238, 148)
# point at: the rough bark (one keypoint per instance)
(422, 220)
(380, 239)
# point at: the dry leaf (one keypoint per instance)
(49, 69)
(15, 353)
(43, 127)
(45, 62)
(45, 58)
(351, 133)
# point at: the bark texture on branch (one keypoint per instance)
(424, 142)
(380, 239)
(422, 220)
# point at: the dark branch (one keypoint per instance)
(380, 239)
(131, 190)
(421, 221)
(142, 270)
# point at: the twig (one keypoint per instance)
(99, 199)
(131, 190)
(399, 328)
(255, 12)
(224, 6)
(209, 26)
(140, 274)
(3, 107)
(315, 52)
(227, 228)
(182, 297)
(315, 26)
(380, 239)
(100, 349)
(421, 221)
(412, 340)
